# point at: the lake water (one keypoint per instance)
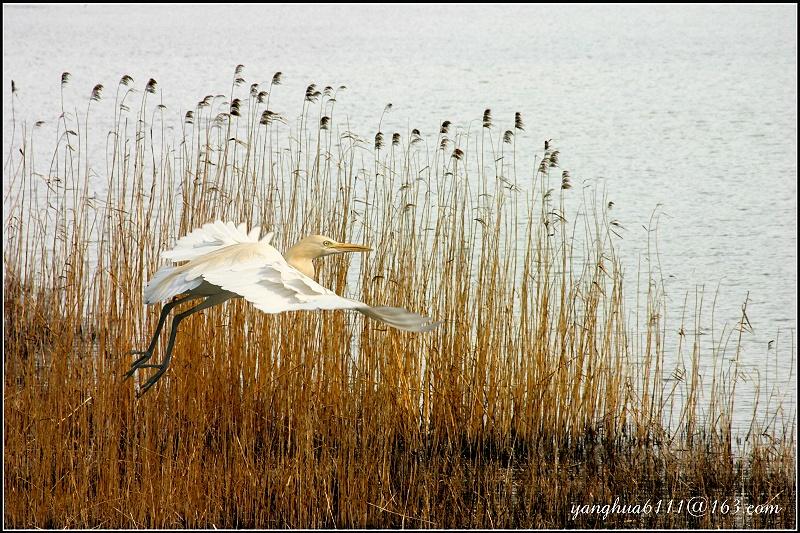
(691, 109)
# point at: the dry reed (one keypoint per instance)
(536, 395)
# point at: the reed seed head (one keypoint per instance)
(96, 92)
(312, 93)
(268, 116)
(221, 118)
(518, 124)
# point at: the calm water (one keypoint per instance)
(689, 109)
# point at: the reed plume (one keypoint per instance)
(151, 86)
(487, 118)
(96, 92)
(565, 180)
(312, 93)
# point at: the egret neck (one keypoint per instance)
(301, 256)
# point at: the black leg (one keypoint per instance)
(208, 302)
(148, 353)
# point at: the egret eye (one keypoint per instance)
(326, 243)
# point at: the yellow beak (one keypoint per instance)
(347, 247)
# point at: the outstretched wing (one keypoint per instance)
(260, 274)
(212, 237)
(229, 257)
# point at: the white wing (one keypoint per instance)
(211, 237)
(259, 273)
(229, 257)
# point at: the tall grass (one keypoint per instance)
(536, 395)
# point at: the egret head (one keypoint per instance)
(304, 252)
(320, 246)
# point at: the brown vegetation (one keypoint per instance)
(535, 395)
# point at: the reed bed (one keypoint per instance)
(538, 394)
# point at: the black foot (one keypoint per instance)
(153, 379)
(139, 363)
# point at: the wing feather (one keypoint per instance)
(212, 237)
(276, 287)
(166, 283)
(236, 261)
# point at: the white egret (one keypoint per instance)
(226, 261)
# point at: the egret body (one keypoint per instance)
(225, 261)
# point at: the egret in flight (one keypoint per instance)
(226, 261)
